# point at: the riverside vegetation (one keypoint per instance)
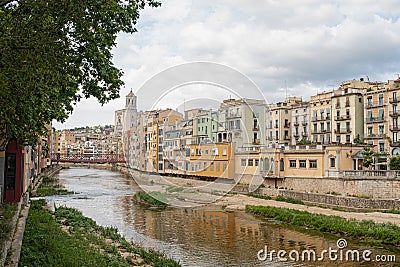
(152, 199)
(66, 238)
(7, 212)
(50, 187)
(385, 233)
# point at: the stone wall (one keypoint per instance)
(376, 188)
(350, 202)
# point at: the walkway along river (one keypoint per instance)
(196, 237)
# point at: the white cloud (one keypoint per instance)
(299, 47)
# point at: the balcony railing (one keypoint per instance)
(233, 115)
(395, 144)
(342, 131)
(287, 125)
(342, 118)
(375, 104)
(296, 135)
(393, 100)
(393, 113)
(375, 119)
(320, 118)
(394, 128)
(304, 123)
(296, 123)
(375, 136)
(347, 104)
(304, 134)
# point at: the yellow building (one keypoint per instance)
(212, 160)
(347, 109)
(155, 121)
(394, 100)
(320, 121)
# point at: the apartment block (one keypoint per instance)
(300, 122)
(320, 118)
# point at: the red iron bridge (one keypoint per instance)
(88, 158)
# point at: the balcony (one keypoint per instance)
(256, 128)
(321, 118)
(287, 125)
(277, 126)
(314, 119)
(233, 115)
(374, 119)
(287, 137)
(393, 100)
(395, 144)
(304, 134)
(296, 135)
(394, 128)
(375, 136)
(393, 113)
(347, 104)
(304, 123)
(342, 118)
(296, 123)
(375, 104)
(342, 131)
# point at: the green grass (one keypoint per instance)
(289, 200)
(391, 211)
(385, 233)
(153, 199)
(49, 187)
(67, 238)
(7, 212)
(259, 196)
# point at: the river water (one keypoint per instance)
(196, 236)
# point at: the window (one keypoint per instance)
(218, 166)
(380, 99)
(214, 151)
(381, 129)
(223, 166)
(302, 163)
(370, 130)
(332, 162)
(160, 166)
(204, 166)
(292, 163)
(212, 166)
(256, 161)
(224, 151)
(250, 162)
(313, 164)
(381, 114)
(338, 139)
(348, 138)
(243, 162)
(381, 147)
(395, 138)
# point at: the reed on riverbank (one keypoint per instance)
(385, 233)
(50, 187)
(66, 238)
(153, 199)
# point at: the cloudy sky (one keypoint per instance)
(286, 48)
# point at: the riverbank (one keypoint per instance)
(239, 202)
(66, 238)
(378, 233)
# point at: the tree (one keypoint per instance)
(52, 54)
(368, 155)
(357, 140)
(394, 163)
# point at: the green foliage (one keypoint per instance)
(394, 211)
(259, 196)
(153, 199)
(357, 140)
(52, 54)
(394, 163)
(7, 212)
(368, 156)
(304, 141)
(173, 189)
(67, 238)
(386, 233)
(49, 187)
(289, 200)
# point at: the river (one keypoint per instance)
(200, 236)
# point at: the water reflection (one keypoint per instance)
(195, 237)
